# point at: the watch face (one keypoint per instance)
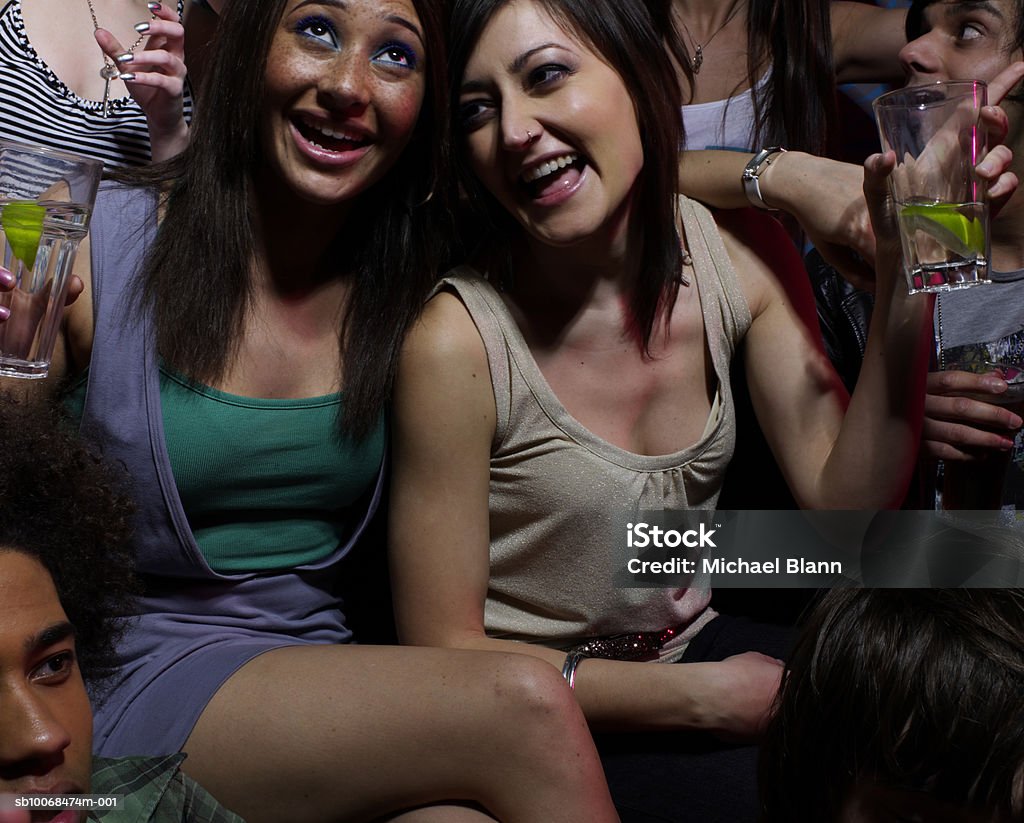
(757, 164)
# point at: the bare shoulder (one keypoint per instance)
(444, 336)
(443, 385)
(762, 253)
(443, 370)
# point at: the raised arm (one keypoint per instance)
(834, 456)
(958, 423)
(861, 459)
(866, 40)
(155, 77)
(444, 423)
(823, 195)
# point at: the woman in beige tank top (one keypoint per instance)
(606, 345)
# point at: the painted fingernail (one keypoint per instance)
(4, 312)
(127, 57)
(6, 277)
(142, 28)
(153, 6)
(127, 76)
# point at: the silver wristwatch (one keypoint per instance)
(758, 163)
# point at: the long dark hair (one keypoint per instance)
(798, 107)
(622, 33)
(196, 278)
(910, 689)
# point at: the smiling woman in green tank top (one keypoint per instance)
(273, 271)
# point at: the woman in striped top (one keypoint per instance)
(53, 92)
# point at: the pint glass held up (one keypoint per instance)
(938, 139)
(46, 198)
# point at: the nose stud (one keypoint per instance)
(529, 136)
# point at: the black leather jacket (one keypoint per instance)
(843, 314)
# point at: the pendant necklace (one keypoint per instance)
(698, 48)
(110, 69)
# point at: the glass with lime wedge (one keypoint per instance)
(46, 198)
(22, 224)
(944, 244)
(935, 131)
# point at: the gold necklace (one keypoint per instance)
(698, 51)
(109, 70)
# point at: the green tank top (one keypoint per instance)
(265, 483)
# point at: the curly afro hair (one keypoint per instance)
(65, 507)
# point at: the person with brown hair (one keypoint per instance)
(901, 705)
(575, 375)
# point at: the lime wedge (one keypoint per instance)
(949, 226)
(22, 222)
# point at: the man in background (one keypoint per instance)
(65, 571)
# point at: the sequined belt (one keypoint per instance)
(633, 646)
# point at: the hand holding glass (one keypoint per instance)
(936, 133)
(46, 198)
(978, 484)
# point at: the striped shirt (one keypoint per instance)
(36, 107)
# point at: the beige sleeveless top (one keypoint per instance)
(560, 496)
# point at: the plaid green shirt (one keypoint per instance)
(154, 791)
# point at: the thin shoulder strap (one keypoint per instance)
(721, 295)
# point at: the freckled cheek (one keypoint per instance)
(400, 110)
(285, 72)
(284, 84)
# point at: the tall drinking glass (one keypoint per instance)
(46, 198)
(936, 134)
